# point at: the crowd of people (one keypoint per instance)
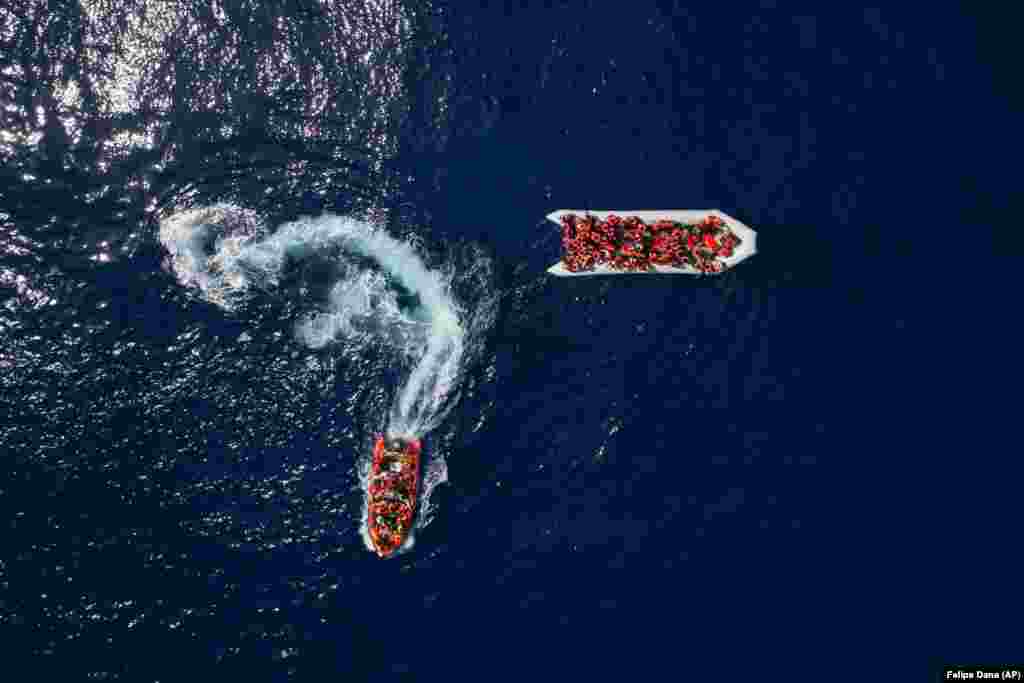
(630, 244)
(392, 497)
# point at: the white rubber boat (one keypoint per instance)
(746, 249)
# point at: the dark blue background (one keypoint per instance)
(730, 476)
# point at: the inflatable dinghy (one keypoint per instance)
(391, 492)
(669, 241)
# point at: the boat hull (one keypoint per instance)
(392, 493)
(746, 249)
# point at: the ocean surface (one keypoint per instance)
(238, 240)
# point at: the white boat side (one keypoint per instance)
(745, 250)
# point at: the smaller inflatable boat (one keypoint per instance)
(670, 241)
(392, 491)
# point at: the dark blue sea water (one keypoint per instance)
(239, 239)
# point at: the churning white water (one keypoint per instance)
(224, 250)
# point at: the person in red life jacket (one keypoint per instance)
(569, 241)
(667, 244)
(575, 237)
(661, 249)
(725, 249)
(635, 233)
(607, 242)
(590, 246)
(712, 223)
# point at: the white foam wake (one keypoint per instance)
(223, 251)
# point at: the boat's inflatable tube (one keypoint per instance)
(746, 249)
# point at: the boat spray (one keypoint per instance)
(224, 251)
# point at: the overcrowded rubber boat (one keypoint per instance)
(670, 241)
(392, 491)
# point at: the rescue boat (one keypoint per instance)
(670, 241)
(392, 490)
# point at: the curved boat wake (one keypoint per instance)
(224, 251)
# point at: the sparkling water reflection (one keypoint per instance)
(237, 240)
